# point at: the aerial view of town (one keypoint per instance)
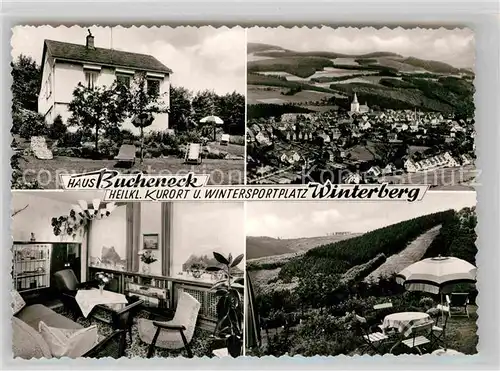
(361, 106)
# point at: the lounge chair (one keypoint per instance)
(174, 334)
(224, 140)
(382, 306)
(458, 300)
(40, 150)
(126, 154)
(193, 154)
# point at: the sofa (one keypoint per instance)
(27, 342)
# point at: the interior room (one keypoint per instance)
(139, 274)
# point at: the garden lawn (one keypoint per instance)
(46, 171)
(461, 332)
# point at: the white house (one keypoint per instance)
(64, 65)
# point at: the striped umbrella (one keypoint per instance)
(252, 326)
(433, 274)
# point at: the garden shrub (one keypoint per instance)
(57, 130)
(32, 125)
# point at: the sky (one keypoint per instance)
(201, 58)
(313, 219)
(455, 47)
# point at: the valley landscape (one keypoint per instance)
(315, 114)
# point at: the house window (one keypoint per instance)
(91, 79)
(153, 86)
(123, 79)
(200, 229)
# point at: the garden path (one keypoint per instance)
(411, 254)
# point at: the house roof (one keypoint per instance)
(118, 58)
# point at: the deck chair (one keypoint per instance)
(174, 334)
(374, 340)
(419, 336)
(458, 300)
(126, 154)
(224, 140)
(40, 150)
(193, 154)
(382, 306)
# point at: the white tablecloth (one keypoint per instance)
(404, 320)
(88, 299)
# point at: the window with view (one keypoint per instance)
(153, 86)
(123, 80)
(91, 79)
(200, 229)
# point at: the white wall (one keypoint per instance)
(45, 98)
(36, 218)
(67, 76)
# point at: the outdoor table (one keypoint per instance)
(402, 321)
(88, 299)
(446, 352)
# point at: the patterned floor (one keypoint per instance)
(200, 344)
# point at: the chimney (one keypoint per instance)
(90, 41)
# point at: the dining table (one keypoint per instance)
(88, 299)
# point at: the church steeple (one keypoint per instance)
(355, 100)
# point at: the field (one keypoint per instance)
(383, 79)
(47, 171)
(264, 94)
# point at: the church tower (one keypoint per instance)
(355, 104)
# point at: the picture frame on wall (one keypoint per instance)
(150, 241)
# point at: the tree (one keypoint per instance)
(181, 112)
(143, 101)
(231, 109)
(97, 109)
(205, 103)
(26, 75)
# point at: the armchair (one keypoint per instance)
(174, 334)
(67, 285)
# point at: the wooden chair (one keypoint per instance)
(374, 340)
(193, 154)
(174, 334)
(438, 333)
(124, 319)
(458, 300)
(419, 336)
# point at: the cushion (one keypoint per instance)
(68, 342)
(27, 343)
(33, 314)
(17, 302)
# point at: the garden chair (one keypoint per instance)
(224, 140)
(374, 340)
(174, 334)
(126, 154)
(193, 154)
(458, 300)
(419, 336)
(438, 332)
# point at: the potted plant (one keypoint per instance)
(230, 304)
(197, 270)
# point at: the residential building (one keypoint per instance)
(64, 65)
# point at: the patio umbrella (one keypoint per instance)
(252, 325)
(433, 274)
(214, 120)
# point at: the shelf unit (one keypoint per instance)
(31, 266)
